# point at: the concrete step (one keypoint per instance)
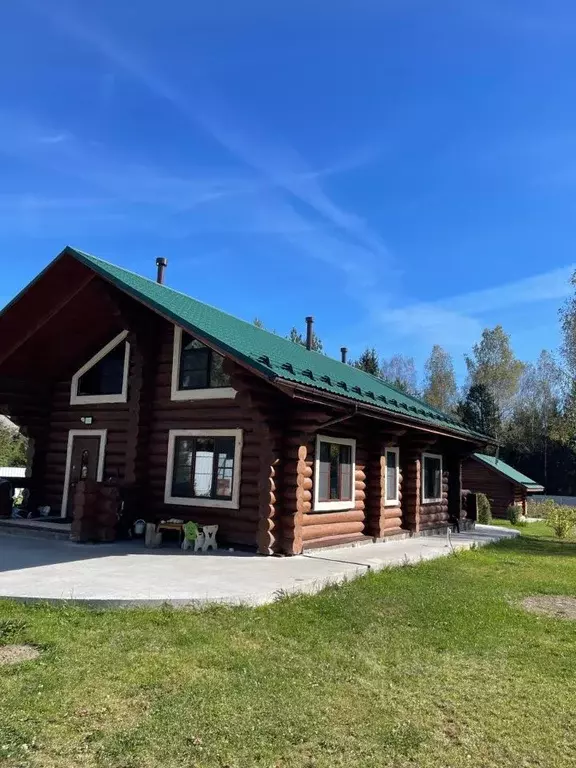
(37, 530)
(330, 542)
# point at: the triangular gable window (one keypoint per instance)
(197, 371)
(104, 378)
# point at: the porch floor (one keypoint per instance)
(126, 574)
(36, 526)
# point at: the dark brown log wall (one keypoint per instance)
(277, 474)
(300, 526)
(368, 516)
(381, 519)
(62, 418)
(417, 515)
(344, 523)
(435, 514)
(137, 440)
(254, 523)
(479, 478)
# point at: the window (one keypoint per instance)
(334, 473)
(431, 477)
(204, 467)
(197, 371)
(392, 494)
(104, 378)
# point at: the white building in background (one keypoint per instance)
(12, 471)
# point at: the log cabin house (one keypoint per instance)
(202, 416)
(502, 484)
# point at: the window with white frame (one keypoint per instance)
(334, 473)
(431, 477)
(197, 371)
(104, 378)
(203, 467)
(392, 477)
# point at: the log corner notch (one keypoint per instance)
(298, 472)
(298, 469)
(299, 527)
(262, 448)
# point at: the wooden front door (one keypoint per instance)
(84, 462)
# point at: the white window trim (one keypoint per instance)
(210, 393)
(331, 506)
(103, 435)
(234, 502)
(422, 484)
(396, 500)
(76, 399)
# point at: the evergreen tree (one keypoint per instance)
(297, 338)
(479, 412)
(368, 361)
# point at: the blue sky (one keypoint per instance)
(403, 170)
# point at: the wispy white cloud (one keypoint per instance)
(55, 138)
(36, 215)
(544, 287)
(457, 321)
(277, 166)
(284, 167)
(23, 137)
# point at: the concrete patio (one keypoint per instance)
(127, 575)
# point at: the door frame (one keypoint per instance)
(103, 435)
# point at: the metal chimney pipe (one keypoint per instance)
(344, 353)
(161, 263)
(309, 332)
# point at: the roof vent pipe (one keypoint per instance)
(344, 353)
(161, 263)
(309, 332)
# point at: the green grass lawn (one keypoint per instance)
(424, 666)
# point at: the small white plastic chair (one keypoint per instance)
(209, 536)
(199, 542)
(153, 538)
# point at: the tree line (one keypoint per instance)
(529, 407)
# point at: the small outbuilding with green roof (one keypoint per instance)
(137, 395)
(502, 484)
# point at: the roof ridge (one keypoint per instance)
(416, 398)
(517, 476)
(188, 296)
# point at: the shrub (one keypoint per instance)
(484, 509)
(513, 513)
(537, 508)
(560, 518)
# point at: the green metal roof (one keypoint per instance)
(509, 472)
(277, 358)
